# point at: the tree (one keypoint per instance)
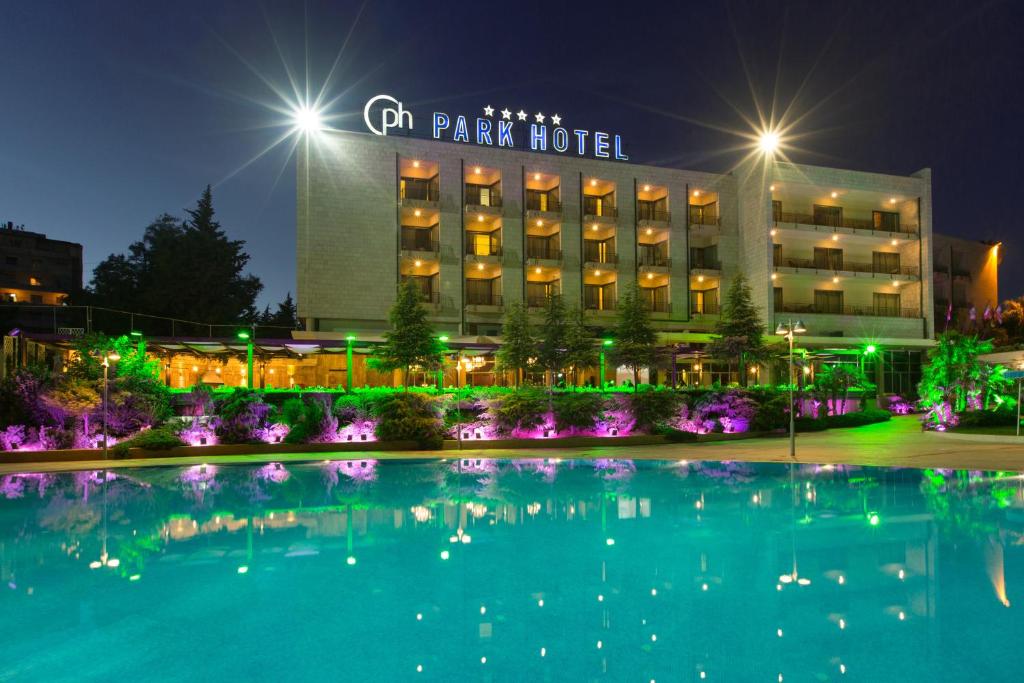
(411, 339)
(188, 270)
(580, 351)
(518, 347)
(739, 331)
(834, 380)
(551, 347)
(954, 376)
(635, 339)
(286, 316)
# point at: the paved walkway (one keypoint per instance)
(898, 443)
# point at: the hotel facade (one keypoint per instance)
(479, 227)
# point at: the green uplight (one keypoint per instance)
(443, 337)
(607, 342)
(870, 349)
(135, 333)
(243, 335)
(874, 519)
(350, 337)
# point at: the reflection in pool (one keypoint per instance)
(511, 570)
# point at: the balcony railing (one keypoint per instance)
(482, 299)
(475, 200)
(706, 265)
(646, 213)
(706, 309)
(849, 266)
(868, 310)
(537, 300)
(539, 251)
(657, 306)
(594, 305)
(534, 204)
(478, 249)
(602, 211)
(419, 244)
(854, 223)
(593, 255)
(698, 217)
(420, 189)
(648, 258)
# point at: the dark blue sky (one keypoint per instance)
(114, 112)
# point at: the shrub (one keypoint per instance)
(199, 401)
(240, 416)
(409, 417)
(20, 394)
(772, 408)
(676, 435)
(309, 420)
(158, 439)
(987, 418)
(731, 409)
(349, 408)
(859, 418)
(577, 411)
(521, 410)
(651, 407)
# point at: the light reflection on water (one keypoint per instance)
(526, 569)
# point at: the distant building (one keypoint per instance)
(35, 269)
(966, 278)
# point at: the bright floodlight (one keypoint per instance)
(307, 120)
(768, 142)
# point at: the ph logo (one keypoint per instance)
(387, 116)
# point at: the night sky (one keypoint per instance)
(114, 112)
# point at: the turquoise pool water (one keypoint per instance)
(522, 570)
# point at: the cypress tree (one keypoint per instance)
(580, 351)
(519, 347)
(635, 339)
(411, 339)
(740, 330)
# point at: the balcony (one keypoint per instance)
(483, 302)
(707, 308)
(542, 252)
(542, 205)
(483, 248)
(596, 209)
(419, 192)
(414, 242)
(706, 265)
(701, 216)
(538, 300)
(867, 310)
(657, 306)
(802, 221)
(599, 305)
(844, 266)
(649, 258)
(645, 213)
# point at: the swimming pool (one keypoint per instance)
(511, 570)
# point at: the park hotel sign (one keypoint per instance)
(493, 128)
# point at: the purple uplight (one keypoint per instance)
(360, 430)
(274, 433)
(198, 434)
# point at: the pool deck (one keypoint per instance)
(898, 443)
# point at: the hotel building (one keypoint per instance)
(478, 228)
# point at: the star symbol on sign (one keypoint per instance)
(556, 119)
(539, 117)
(506, 114)
(488, 110)
(521, 114)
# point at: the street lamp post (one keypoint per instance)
(349, 340)
(790, 329)
(600, 382)
(249, 338)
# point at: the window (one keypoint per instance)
(423, 189)
(887, 304)
(542, 200)
(12, 260)
(777, 254)
(599, 297)
(776, 210)
(777, 298)
(419, 239)
(483, 195)
(704, 257)
(655, 298)
(537, 293)
(831, 216)
(542, 247)
(885, 220)
(427, 285)
(704, 214)
(484, 244)
(885, 262)
(34, 282)
(827, 301)
(37, 298)
(656, 210)
(483, 292)
(901, 372)
(599, 206)
(10, 297)
(704, 301)
(654, 254)
(828, 259)
(599, 251)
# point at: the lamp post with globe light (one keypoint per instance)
(108, 358)
(790, 329)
